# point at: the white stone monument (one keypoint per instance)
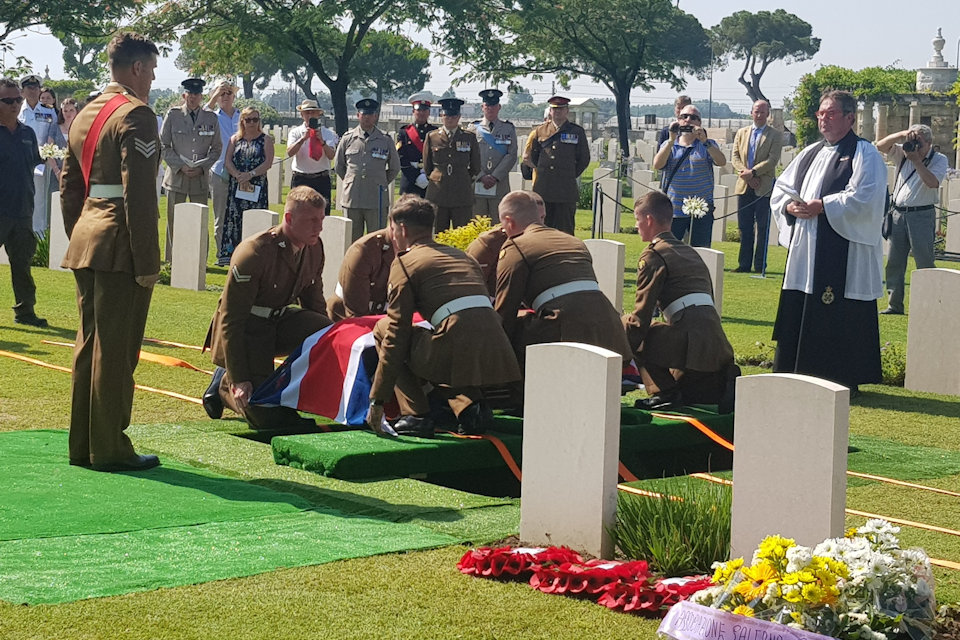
(721, 205)
(188, 264)
(256, 221)
(807, 419)
(336, 235)
(608, 264)
(516, 181)
(274, 183)
(933, 352)
(58, 236)
(953, 228)
(571, 446)
(714, 261)
(609, 206)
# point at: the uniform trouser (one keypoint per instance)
(16, 236)
(458, 216)
(318, 182)
(368, 217)
(173, 199)
(266, 339)
(914, 231)
(489, 207)
(219, 188)
(409, 386)
(561, 215)
(113, 313)
(751, 211)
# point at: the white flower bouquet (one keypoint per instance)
(695, 207)
(860, 587)
(51, 150)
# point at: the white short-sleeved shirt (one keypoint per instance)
(302, 162)
(913, 192)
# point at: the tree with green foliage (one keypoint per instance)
(760, 39)
(623, 44)
(389, 64)
(872, 83)
(76, 89)
(228, 52)
(85, 57)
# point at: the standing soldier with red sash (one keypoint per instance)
(410, 147)
(109, 200)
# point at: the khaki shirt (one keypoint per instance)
(451, 163)
(364, 164)
(560, 156)
(485, 249)
(362, 283)
(493, 162)
(184, 140)
(114, 234)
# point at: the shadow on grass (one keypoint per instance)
(749, 321)
(902, 400)
(45, 333)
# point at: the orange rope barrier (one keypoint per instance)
(702, 428)
(901, 483)
(147, 356)
(168, 343)
(625, 473)
(501, 449)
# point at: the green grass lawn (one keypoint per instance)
(418, 594)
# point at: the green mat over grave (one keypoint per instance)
(648, 446)
(68, 533)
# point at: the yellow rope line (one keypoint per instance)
(146, 356)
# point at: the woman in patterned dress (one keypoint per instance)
(248, 157)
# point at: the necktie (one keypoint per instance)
(193, 116)
(753, 147)
(316, 145)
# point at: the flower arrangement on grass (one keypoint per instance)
(860, 587)
(461, 237)
(695, 207)
(623, 586)
(51, 150)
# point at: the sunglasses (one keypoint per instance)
(251, 119)
(689, 116)
(16, 100)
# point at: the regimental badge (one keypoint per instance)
(828, 297)
(641, 264)
(503, 252)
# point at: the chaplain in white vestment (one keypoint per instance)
(829, 206)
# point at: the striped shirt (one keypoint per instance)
(693, 178)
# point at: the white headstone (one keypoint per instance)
(256, 221)
(933, 353)
(57, 234)
(612, 151)
(188, 264)
(953, 227)
(516, 181)
(571, 446)
(714, 261)
(642, 175)
(336, 235)
(609, 207)
(288, 174)
(274, 183)
(722, 206)
(608, 263)
(4, 258)
(810, 432)
(729, 180)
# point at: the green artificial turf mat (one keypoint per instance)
(899, 461)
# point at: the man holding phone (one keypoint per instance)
(312, 147)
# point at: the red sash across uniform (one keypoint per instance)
(414, 136)
(93, 136)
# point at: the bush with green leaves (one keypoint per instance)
(681, 533)
(41, 257)
(893, 364)
(461, 237)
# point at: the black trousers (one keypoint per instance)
(16, 236)
(319, 181)
(753, 211)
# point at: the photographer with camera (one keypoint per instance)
(312, 148)
(686, 160)
(920, 168)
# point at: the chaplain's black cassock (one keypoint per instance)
(826, 323)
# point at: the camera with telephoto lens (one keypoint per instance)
(911, 145)
(313, 123)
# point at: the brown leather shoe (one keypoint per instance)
(133, 463)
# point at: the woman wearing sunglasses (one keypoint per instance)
(247, 159)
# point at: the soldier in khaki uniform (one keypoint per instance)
(550, 272)
(362, 283)
(686, 358)
(466, 350)
(451, 160)
(498, 155)
(255, 321)
(111, 220)
(366, 163)
(560, 153)
(485, 249)
(191, 146)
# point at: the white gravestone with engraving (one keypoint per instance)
(608, 263)
(188, 263)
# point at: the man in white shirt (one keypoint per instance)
(42, 120)
(312, 147)
(920, 169)
(223, 97)
(828, 205)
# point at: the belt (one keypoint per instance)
(459, 304)
(563, 289)
(910, 209)
(689, 300)
(319, 174)
(267, 312)
(106, 191)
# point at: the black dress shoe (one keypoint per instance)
(475, 419)
(741, 270)
(212, 403)
(664, 400)
(416, 426)
(30, 319)
(890, 311)
(134, 463)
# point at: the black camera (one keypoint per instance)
(313, 123)
(685, 128)
(911, 145)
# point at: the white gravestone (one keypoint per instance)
(274, 184)
(933, 352)
(337, 232)
(288, 175)
(4, 258)
(808, 420)
(953, 228)
(721, 205)
(571, 446)
(609, 207)
(643, 176)
(608, 263)
(714, 261)
(188, 264)
(57, 234)
(256, 221)
(516, 181)
(612, 151)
